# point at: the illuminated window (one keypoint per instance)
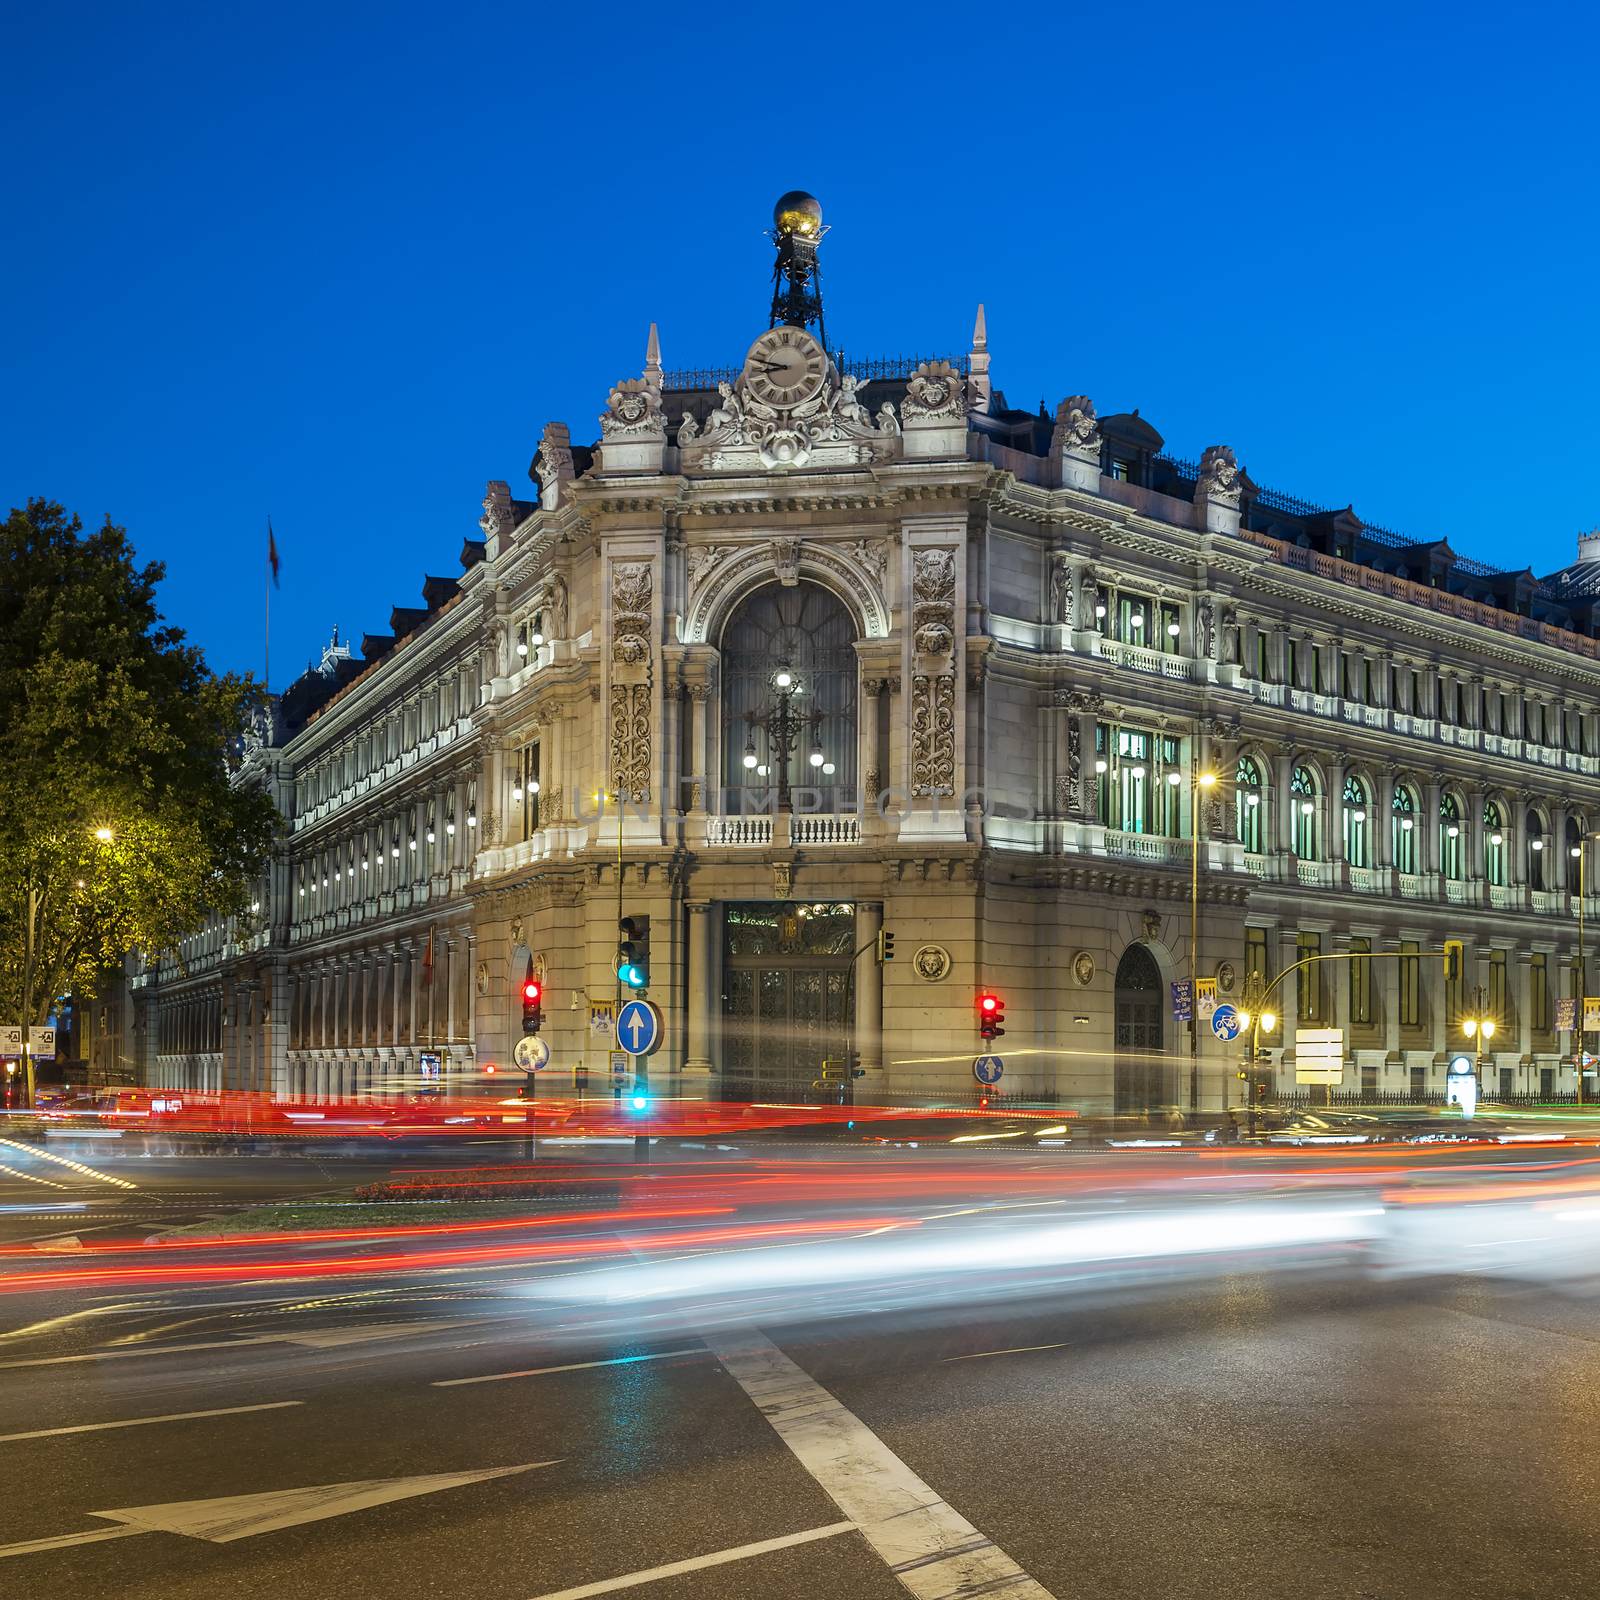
(1410, 984)
(1247, 806)
(1360, 982)
(1451, 854)
(1305, 799)
(1308, 980)
(1494, 844)
(1403, 829)
(1357, 828)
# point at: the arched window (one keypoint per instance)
(1247, 805)
(1356, 829)
(1403, 836)
(789, 677)
(1575, 867)
(1494, 844)
(1304, 795)
(1450, 854)
(1536, 850)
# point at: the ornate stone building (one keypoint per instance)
(806, 648)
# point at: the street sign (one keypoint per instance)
(619, 1063)
(430, 1064)
(1319, 1055)
(1182, 1000)
(987, 1069)
(1225, 1021)
(1591, 1014)
(602, 1015)
(1566, 1014)
(10, 1038)
(639, 1028)
(530, 1052)
(42, 1042)
(1205, 998)
(1461, 1084)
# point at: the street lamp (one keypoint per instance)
(1480, 1030)
(104, 835)
(1258, 1022)
(1202, 780)
(783, 727)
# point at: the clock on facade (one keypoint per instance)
(785, 368)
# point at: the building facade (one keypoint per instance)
(804, 649)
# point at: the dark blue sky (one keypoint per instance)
(340, 263)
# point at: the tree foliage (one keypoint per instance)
(108, 721)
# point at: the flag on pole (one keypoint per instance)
(272, 553)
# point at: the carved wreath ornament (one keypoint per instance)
(931, 963)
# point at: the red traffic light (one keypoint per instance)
(988, 1003)
(531, 991)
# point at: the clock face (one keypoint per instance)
(785, 367)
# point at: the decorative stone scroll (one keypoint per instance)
(630, 741)
(720, 574)
(833, 427)
(933, 684)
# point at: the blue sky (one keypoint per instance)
(340, 263)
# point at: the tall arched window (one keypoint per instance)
(1450, 854)
(1304, 795)
(1494, 844)
(1356, 829)
(1247, 805)
(1575, 830)
(788, 658)
(1403, 836)
(1537, 844)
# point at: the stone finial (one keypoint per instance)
(652, 359)
(553, 465)
(498, 516)
(980, 388)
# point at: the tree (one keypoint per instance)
(123, 828)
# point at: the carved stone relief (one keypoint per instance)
(935, 390)
(632, 586)
(630, 740)
(933, 687)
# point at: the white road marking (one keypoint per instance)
(64, 1161)
(239, 1516)
(929, 1546)
(674, 1569)
(140, 1422)
(1015, 1350)
(571, 1366)
(28, 1177)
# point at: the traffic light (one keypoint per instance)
(991, 1016)
(1452, 961)
(885, 945)
(526, 1091)
(639, 1100)
(633, 953)
(532, 1004)
(856, 1069)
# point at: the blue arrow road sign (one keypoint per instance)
(639, 1028)
(987, 1069)
(1225, 1022)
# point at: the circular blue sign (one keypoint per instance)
(1225, 1022)
(987, 1069)
(639, 1028)
(1460, 1067)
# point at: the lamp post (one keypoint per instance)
(1583, 986)
(783, 726)
(1202, 781)
(1480, 1028)
(1258, 1022)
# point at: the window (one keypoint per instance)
(1539, 993)
(1119, 471)
(1293, 664)
(525, 789)
(1494, 844)
(1134, 769)
(1257, 962)
(1247, 805)
(1534, 824)
(1360, 982)
(1575, 863)
(1403, 829)
(1450, 852)
(1497, 991)
(1171, 631)
(1355, 822)
(1133, 620)
(1455, 992)
(1410, 984)
(1308, 980)
(1303, 797)
(1263, 668)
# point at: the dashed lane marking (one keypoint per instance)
(1014, 1350)
(143, 1422)
(675, 1569)
(571, 1366)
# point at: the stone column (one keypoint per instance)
(394, 996)
(702, 976)
(447, 948)
(701, 766)
(1286, 999)
(1387, 976)
(870, 776)
(1518, 996)
(869, 995)
(413, 960)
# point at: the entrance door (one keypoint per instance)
(787, 998)
(1141, 1067)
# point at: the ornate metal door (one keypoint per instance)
(787, 996)
(1141, 1067)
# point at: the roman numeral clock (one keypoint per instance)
(785, 368)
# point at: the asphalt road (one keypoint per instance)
(1288, 1418)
